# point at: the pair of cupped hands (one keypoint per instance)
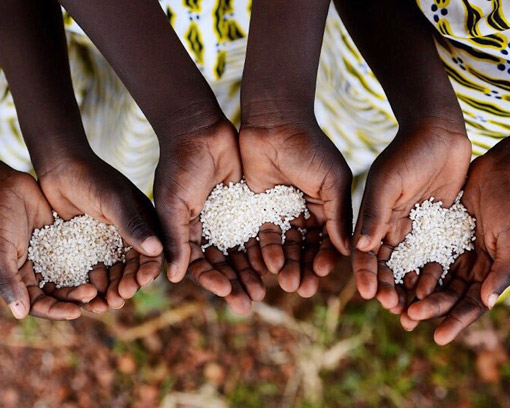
(430, 158)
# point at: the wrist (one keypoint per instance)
(272, 112)
(192, 119)
(57, 155)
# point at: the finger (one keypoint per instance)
(238, 299)
(327, 257)
(364, 265)
(309, 283)
(175, 221)
(44, 306)
(496, 282)
(428, 280)
(336, 195)
(289, 277)
(309, 280)
(411, 280)
(129, 215)
(402, 301)
(82, 294)
(98, 277)
(438, 303)
(250, 280)
(255, 256)
(467, 311)
(386, 292)
(407, 323)
(149, 270)
(216, 279)
(113, 296)
(98, 305)
(128, 284)
(12, 288)
(270, 238)
(375, 214)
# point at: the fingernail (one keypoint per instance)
(363, 243)
(492, 300)
(18, 309)
(152, 246)
(172, 272)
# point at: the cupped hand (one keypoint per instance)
(190, 167)
(23, 209)
(430, 159)
(87, 185)
(481, 276)
(301, 155)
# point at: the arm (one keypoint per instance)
(397, 42)
(198, 145)
(139, 43)
(430, 154)
(33, 53)
(281, 142)
(282, 60)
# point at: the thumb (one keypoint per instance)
(496, 282)
(12, 288)
(175, 218)
(135, 230)
(374, 215)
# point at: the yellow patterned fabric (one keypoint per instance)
(350, 104)
(474, 44)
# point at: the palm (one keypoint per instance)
(24, 209)
(426, 162)
(301, 156)
(479, 277)
(187, 172)
(93, 187)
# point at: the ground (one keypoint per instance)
(175, 346)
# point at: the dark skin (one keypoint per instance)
(281, 142)
(199, 146)
(480, 277)
(429, 156)
(73, 179)
(24, 208)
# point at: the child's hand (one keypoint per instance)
(23, 209)
(87, 185)
(481, 276)
(302, 156)
(190, 167)
(428, 160)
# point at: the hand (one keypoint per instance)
(430, 159)
(302, 156)
(24, 209)
(87, 185)
(189, 168)
(481, 276)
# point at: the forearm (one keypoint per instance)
(138, 41)
(33, 55)
(397, 42)
(282, 59)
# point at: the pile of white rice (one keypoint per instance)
(65, 252)
(233, 214)
(438, 235)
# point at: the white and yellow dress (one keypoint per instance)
(472, 39)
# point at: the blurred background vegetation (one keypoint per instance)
(176, 346)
